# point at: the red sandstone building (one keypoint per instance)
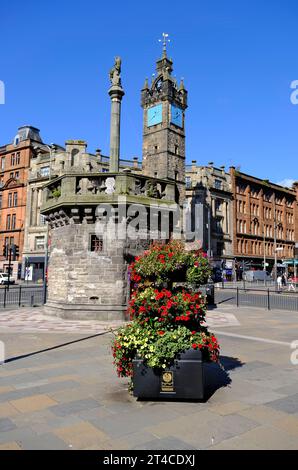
(265, 217)
(14, 166)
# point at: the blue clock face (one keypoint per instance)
(176, 116)
(154, 115)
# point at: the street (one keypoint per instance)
(258, 298)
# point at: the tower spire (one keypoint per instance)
(165, 39)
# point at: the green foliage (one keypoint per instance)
(56, 192)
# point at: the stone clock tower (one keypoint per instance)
(164, 104)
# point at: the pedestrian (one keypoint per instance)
(279, 282)
(283, 280)
(291, 285)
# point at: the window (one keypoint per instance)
(8, 218)
(9, 200)
(218, 225)
(217, 184)
(15, 199)
(11, 241)
(17, 175)
(18, 158)
(96, 244)
(218, 205)
(45, 171)
(6, 241)
(188, 182)
(42, 219)
(11, 175)
(13, 222)
(0, 201)
(12, 159)
(2, 163)
(39, 243)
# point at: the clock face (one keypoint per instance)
(154, 115)
(176, 116)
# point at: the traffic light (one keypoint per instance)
(15, 251)
(5, 251)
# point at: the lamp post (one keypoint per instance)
(209, 252)
(276, 225)
(46, 255)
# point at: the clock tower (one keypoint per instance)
(164, 104)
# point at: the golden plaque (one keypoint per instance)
(167, 381)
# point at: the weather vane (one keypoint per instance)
(164, 41)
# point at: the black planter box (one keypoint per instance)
(184, 380)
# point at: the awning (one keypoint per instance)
(35, 259)
(291, 262)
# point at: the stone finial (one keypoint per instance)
(146, 84)
(181, 87)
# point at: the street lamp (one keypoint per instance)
(46, 257)
(50, 148)
(279, 225)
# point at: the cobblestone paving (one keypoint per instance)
(58, 389)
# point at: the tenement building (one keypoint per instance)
(209, 197)
(14, 167)
(264, 217)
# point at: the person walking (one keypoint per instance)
(291, 285)
(279, 282)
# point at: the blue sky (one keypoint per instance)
(238, 59)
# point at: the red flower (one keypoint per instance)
(161, 333)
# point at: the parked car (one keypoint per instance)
(257, 275)
(4, 279)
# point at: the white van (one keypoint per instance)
(4, 279)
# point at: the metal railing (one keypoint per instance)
(261, 298)
(21, 296)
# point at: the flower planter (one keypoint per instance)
(183, 380)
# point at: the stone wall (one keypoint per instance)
(84, 283)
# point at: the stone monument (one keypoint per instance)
(93, 229)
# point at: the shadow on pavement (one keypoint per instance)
(34, 353)
(216, 375)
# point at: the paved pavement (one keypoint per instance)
(58, 389)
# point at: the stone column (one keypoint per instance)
(116, 93)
